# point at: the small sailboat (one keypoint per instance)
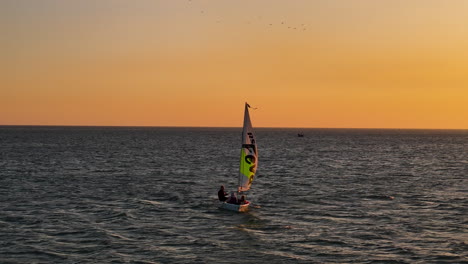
(248, 163)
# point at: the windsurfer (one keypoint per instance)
(222, 194)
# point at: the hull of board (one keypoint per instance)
(235, 207)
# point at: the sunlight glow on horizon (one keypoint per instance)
(326, 64)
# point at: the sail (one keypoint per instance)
(249, 154)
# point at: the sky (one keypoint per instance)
(302, 63)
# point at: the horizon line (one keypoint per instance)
(261, 127)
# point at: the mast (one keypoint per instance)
(239, 179)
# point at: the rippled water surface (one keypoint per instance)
(148, 195)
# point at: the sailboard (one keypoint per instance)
(248, 163)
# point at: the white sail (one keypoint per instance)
(249, 154)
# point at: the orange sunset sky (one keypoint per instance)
(303, 63)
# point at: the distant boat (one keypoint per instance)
(248, 163)
(300, 135)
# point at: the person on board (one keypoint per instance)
(222, 194)
(242, 200)
(233, 198)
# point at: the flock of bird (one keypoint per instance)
(259, 18)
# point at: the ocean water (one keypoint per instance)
(148, 195)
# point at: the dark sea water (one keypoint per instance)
(148, 195)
